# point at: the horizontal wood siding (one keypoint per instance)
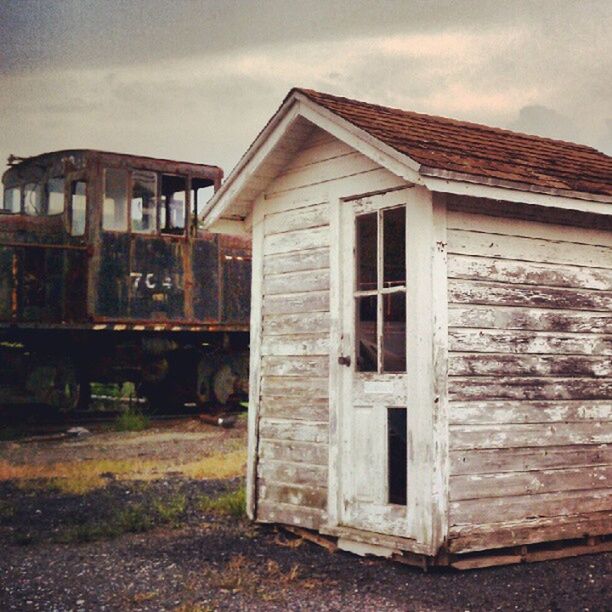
(294, 368)
(530, 381)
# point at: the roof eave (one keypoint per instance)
(435, 179)
(446, 181)
(297, 104)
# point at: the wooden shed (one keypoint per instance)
(431, 333)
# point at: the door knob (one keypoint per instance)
(344, 360)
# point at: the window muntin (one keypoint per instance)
(144, 202)
(78, 208)
(173, 204)
(114, 206)
(12, 200)
(33, 199)
(380, 291)
(55, 196)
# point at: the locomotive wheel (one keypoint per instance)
(223, 383)
(67, 387)
(203, 387)
(55, 382)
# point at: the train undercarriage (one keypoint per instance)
(56, 367)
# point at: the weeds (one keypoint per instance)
(79, 477)
(131, 420)
(170, 511)
(230, 504)
(132, 519)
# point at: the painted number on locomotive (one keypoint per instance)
(149, 280)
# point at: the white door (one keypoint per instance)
(374, 486)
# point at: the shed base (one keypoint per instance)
(357, 543)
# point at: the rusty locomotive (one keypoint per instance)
(105, 276)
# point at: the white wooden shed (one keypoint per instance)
(431, 370)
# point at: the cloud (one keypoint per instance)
(537, 119)
(208, 105)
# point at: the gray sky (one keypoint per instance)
(197, 79)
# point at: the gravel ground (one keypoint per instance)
(195, 560)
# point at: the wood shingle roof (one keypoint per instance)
(442, 145)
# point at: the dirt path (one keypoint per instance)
(157, 538)
(214, 563)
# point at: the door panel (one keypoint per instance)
(375, 484)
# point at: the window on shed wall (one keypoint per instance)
(114, 207)
(144, 202)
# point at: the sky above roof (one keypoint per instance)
(197, 79)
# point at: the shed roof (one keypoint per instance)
(442, 154)
(438, 143)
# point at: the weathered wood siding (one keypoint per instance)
(292, 465)
(530, 381)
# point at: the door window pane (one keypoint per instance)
(114, 209)
(78, 206)
(144, 202)
(366, 334)
(55, 193)
(394, 240)
(12, 200)
(366, 241)
(394, 332)
(33, 200)
(397, 455)
(173, 202)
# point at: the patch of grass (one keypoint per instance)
(266, 581)
(230, 504)
(219, 465)
(79, 477)
(170, 511)
(131, 420)
(131, 519)
(76, 477)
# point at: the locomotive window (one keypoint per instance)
(78, 207)
(114, 210)
(202, 191)
(55, 196)
(144, 199)
(33, 199)
(172, 205)
(12, 200)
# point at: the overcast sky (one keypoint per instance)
(196, 80)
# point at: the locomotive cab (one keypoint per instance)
(105, 276)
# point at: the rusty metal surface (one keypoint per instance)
(49, 277)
